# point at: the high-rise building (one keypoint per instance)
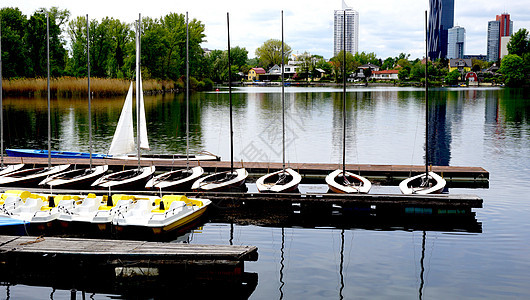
(352, 30)
(441, 18)
(501, 27)
(456, 37)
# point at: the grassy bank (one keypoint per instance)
(71, 86)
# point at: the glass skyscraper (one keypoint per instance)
(497, 29)
(441, 18)
(456, 39)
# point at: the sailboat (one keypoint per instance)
(286, 179)
(428, 182)
(123, 140)
(82, 177)
(28, 177)
(3, 168)
(234, 178)
(340, 180)
(180, 179)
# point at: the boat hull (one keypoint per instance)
(178, 180)
(30, 177)
(221, 181)
(127, 179)
(79, 178)
(268, 183)
(411, 185)
(332, 180)
(54, 154)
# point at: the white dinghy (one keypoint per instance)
(418, 185)
(428, 182)
(282, 181)
(286, 180)
(340, 180)
(78, 178)
(234, 178)
(352, 184)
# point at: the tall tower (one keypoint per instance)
(456, 38)
(441, 18)
(501, 27)
(352, 30)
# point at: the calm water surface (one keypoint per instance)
(473, 127)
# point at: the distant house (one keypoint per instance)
(360, 73)
(254, 73)
(385, 75)
(460, 64)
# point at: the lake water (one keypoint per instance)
(361, 259)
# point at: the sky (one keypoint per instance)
(387, 27)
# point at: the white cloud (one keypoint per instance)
(387, 27)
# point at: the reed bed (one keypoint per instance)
(72, 86)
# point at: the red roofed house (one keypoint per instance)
(253, 74)
(385, 75)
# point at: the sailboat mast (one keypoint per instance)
(89, 96)
(230, 96)
(138, 90)
(283, 100)
(187, 96)
(48, 67)
(1, 106)
(344, 95)
(426, 103)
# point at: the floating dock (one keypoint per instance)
(311, 172)
(104, 263)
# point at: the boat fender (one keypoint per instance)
(51, 201)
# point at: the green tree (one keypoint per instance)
(337, 64)
(270, 53)
(404, 73)
(366, 58)
(35, 39)
(388, 64)
(452, 77)
(512, 70)
(519, 43)
(14, 59)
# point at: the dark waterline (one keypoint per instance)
(340, 258)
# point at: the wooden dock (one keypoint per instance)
(124, 250)
(311, 172)
(102, 265)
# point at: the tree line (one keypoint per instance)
(112, 46)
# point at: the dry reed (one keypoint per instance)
(72, 86)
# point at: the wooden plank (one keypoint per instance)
(123, 248)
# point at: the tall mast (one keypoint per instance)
(344, 95)
(1, 105)
(426, 105)
(283, 101)
(187, 96)
(138, 75)
(230, 96)
(89, 96)
(49, 110)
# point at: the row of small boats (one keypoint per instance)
(159, 214)
(191, 178)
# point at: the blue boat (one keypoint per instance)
(55, 154)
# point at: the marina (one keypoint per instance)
(380, 233)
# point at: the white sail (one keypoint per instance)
(123, 140)
(144, 142)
